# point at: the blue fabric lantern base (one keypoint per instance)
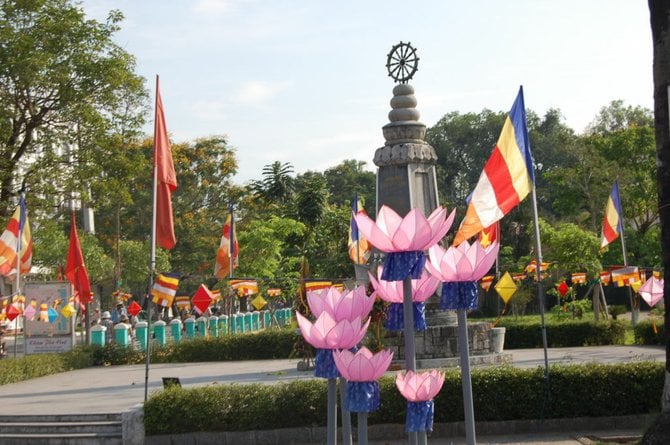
(419, 416)
(459, 295)
(400, 265)
(324, 364)
(395, 317)
(362, 397)
(419, 316)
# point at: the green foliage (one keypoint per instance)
(262, 345)
(266, 246)
(348, 178)
(571, 247)
(617, 309)
(626, 389)
(14, 370)
(522, 333)
(63, 78)
(646, 334)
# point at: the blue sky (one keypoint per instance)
(305, 82)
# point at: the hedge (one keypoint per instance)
(499, 393)
(650, 332)
(560, 334)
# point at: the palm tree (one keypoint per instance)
(277, 183)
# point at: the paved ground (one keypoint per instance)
(115, 389)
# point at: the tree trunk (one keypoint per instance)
(659, 11)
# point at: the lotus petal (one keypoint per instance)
(465, 262)
(362, 366)
(392, 291)
(414, 232)
(419, 387)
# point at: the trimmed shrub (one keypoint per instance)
(648, 332)
(523, 334)
(500, 393)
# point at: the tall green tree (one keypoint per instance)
(62, 82)
(348, 178)
(277, 186)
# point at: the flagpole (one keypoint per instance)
(625, 256)
(152, 257)
(540, 291)
(18, 270)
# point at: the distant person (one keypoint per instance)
(119, 312)
(125, 320)
(106, 321)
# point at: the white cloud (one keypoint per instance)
(258, 92)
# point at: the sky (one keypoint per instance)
(305, 82)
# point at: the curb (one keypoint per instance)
(581, 429)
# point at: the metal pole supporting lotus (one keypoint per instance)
(410, 352)
(464, 350)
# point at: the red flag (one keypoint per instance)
(490, 234)
(166, 179)
(75, 269)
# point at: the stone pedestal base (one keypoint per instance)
(439, 342)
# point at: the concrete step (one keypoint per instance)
(94, 429)
(106, 427)
(55, 439)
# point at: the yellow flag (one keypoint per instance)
(68, 310)
(259, 302)
(506, 287)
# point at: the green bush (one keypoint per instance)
(645, 334)
(499, 393)
(262, 345)
(522, 334)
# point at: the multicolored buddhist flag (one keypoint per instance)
(486, 281)
(507, 178)
(317, 285)
(613, 219)
(165, 289)
(605, 277)
(531, 269)
(227, 248)
(625, 276)
(16, 238)
(359, 247)
(519, 276)
(274, 292)
(578, 278)
(183, 302)
(244, 287)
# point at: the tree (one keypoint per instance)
(616, 116)
(277, 183)
(660, 27)
(62, 81)
(348, 178)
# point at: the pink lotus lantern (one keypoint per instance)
(459, 268)
(419, 389)
(327, 334)
(362, 370)
(404, 239)
(652, 290)
(341, 305)
(392, 292)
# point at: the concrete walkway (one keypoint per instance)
(114, 389)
